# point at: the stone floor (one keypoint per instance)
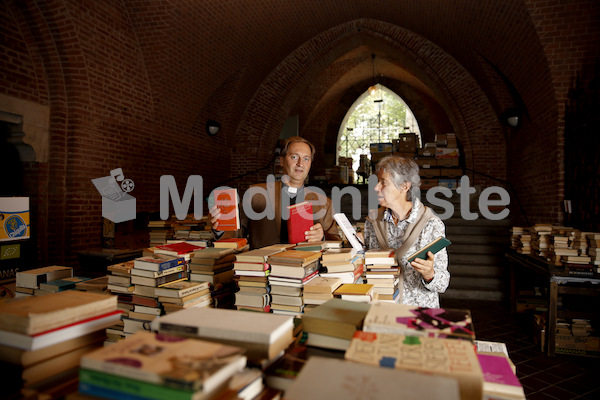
(542, 377)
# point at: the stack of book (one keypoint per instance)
(360, 292)
(541, 240)
(43, 338)
(159, 366)
(147, 274)
(319, 290)
(179, 249)
(214, 265)
(332, 324)
(99, 284)
(381, 270)
(593, 240)
(265, 336)
(251, 275)
(59, 285)
(119, 278)
(515, 237)
(581, 264)
(160, 232)
(561, 246)
(292, 268)
(28, 281)
(343, 263)
(184, 294)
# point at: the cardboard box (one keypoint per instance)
(404, 154)
(381, 148)
(447, 152)
(429, 172)
(14, 218)
(376, 157)
(451, 172)
(428, 183)
(451, 184)
(406, 143)
(426, 152)
(578, 345)
(426, 162)
(448, 162)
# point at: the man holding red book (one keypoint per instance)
(297, 156)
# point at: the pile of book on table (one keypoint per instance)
(42, 338)
(251, 271)
(44, 280)
(290, 271)
(343, 263)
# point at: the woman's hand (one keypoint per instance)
(215, 214)
(425, 267)
(315, 233)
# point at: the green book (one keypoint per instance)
(433, 247)
(117, 386)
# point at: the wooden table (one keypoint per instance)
(559, 282)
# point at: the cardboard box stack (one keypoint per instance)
(439, 162)
(380, 150)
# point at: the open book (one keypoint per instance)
(348, 230)
(433, 247)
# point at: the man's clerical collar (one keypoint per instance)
(292, 190)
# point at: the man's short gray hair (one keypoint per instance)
(401, 170)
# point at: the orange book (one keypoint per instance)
(300, 220)
(226, 201)
(235, 243)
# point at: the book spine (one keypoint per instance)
(170, 278)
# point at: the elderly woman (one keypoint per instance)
(405, 224)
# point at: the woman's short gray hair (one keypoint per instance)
(402, 170)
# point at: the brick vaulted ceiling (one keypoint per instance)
(129, 83)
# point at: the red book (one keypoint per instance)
(176, 249)
(300, 221)
(226, 201)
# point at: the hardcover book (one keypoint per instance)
(322, 284)
(418, 321)
(176, 249)
(159, 281)
(499, 380)
(435, 246)
(173, 361)
(257, 255)
(436, 356)
(233, 243)
(292, 271)
(158, 262)
(300, 221)
(39, 314)
(214, 253)
(263, 335)
(226, 200)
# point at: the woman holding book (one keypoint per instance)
(406, 225)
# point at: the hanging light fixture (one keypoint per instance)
(373, 88)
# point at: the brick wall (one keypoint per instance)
(130, 84)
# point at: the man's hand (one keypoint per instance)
(315, 233)
(215, 214)
(425, 267)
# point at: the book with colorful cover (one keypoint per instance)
(174, 361)
(500, 381)
(407, 319)
(226, 200)
(434, 356)
(158, 262)
(299, 221)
